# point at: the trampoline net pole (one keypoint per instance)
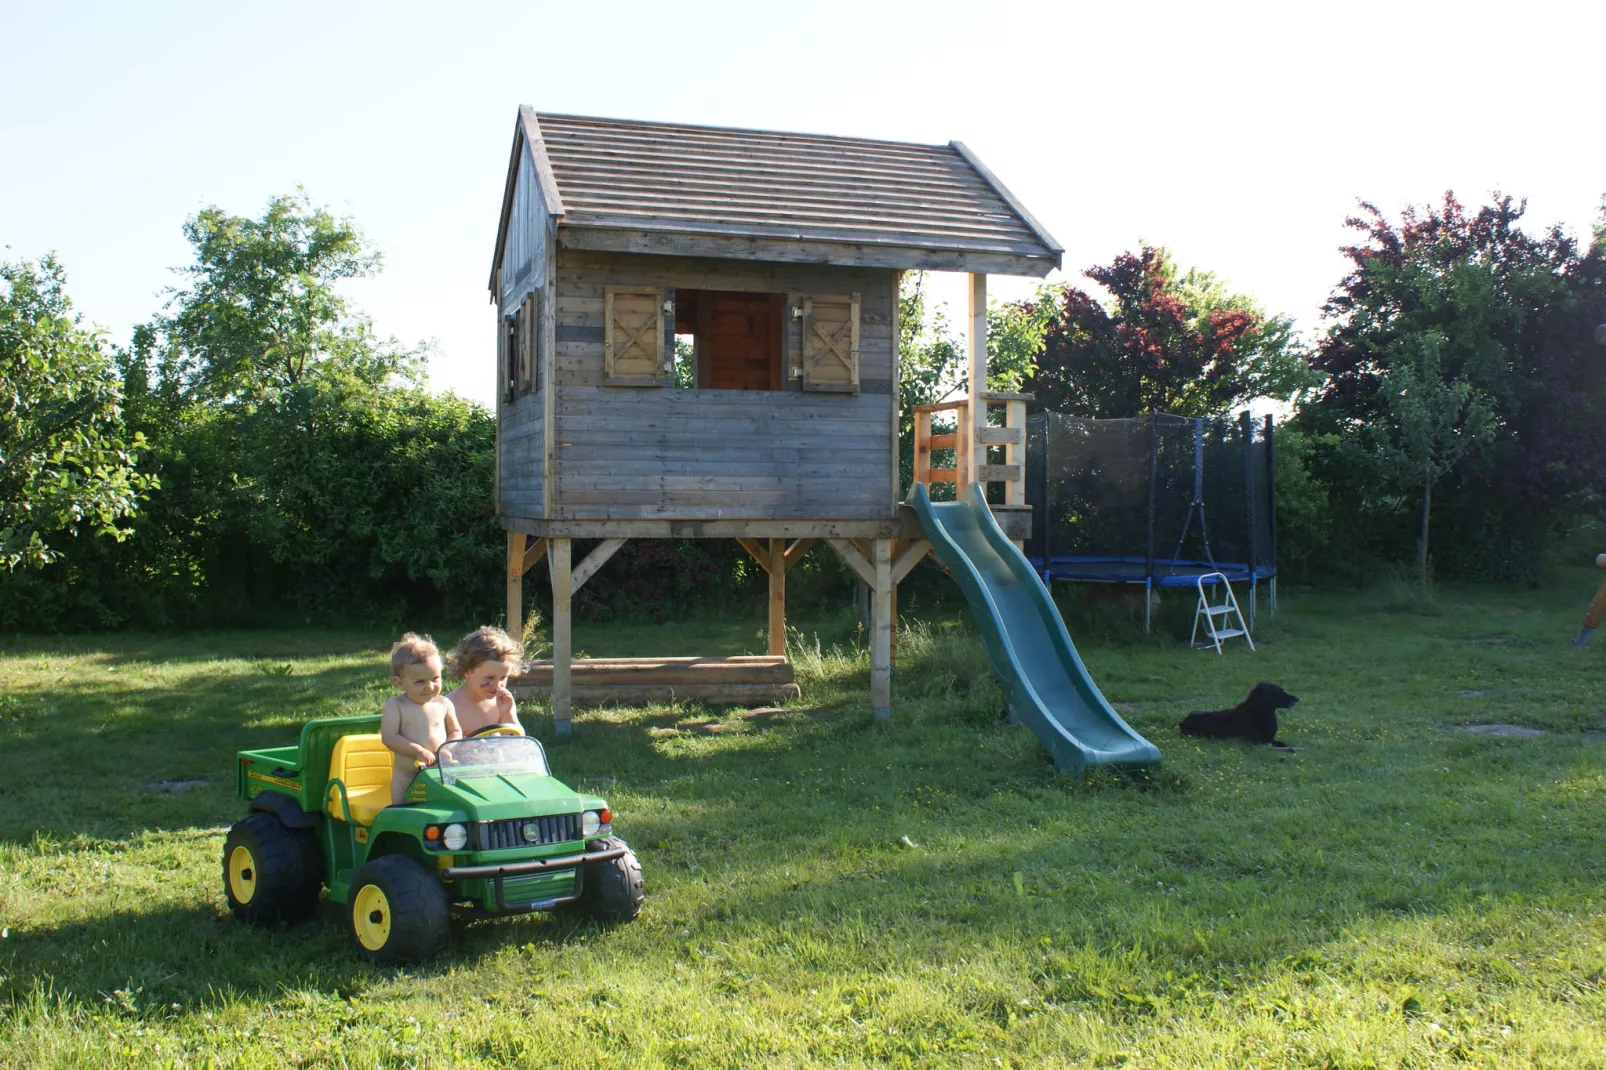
(1271, 512)
(1246, 433)
(1154, 471)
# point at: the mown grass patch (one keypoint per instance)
(824, 890)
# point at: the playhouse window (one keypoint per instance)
(737, 338)
(521, 347)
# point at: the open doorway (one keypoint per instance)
(737, 338)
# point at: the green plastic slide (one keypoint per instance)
(1026, 640)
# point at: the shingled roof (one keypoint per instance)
(752, 194)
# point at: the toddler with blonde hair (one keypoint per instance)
(417, 721)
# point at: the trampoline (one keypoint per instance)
(1160, 501)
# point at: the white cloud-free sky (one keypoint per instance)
(1240, 135)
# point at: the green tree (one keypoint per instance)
(1428, 425)
(931, 359)
(1015, 334)
(65, 462)
(261, 308)
(1510, 313)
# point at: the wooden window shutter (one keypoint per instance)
(501, 359)
(530, 342)
(633, 336)
(830, 343)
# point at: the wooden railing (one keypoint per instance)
(971, 461)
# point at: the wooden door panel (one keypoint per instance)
(738, 340)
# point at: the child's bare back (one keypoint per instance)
(417, 721)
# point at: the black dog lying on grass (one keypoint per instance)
(1254, 719)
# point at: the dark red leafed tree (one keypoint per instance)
(1161, 343)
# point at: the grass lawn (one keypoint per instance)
(1397, 893)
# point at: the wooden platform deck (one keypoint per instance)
(738, 681)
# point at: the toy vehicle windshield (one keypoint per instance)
(491, 756)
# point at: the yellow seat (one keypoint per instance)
(363, 763)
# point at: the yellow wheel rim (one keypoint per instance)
(370, 917)
(242, 875)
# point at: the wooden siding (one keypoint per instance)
(833, 196)
(519, 490)
(667, 453)
(524, 243)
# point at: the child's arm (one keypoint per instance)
(507, 711)
(391, 736)
(454, 730)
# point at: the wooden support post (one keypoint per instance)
(1015, 454)
(515, 582)
(907, 558)
(795, 552)
(894, 655)
(851, 557)
(923, 447)
(562, 647)
(756, 551)
(881, 631)
(1015, 450)
(777, 571)
(977, 413)
(598, 557)
(534, 551)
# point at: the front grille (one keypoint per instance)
(509, 833)
(517, 890)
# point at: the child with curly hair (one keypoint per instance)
(485, 658)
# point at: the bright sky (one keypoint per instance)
(1240, 135)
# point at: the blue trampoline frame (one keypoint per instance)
(1168, 572)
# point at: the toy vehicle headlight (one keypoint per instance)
(590, 823)
(455, 837)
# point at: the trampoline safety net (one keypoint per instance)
(1158, 499)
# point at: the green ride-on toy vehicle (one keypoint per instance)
(487, 831)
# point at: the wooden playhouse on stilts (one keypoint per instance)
(778, 256)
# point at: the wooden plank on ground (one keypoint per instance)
(763, 668)
(596, 681)
(587, 696)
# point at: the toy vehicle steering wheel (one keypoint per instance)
(498, 729)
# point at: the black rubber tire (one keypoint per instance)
(613, 889)
(285, 871)
(420, 915)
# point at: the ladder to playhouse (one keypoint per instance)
(1222, 620)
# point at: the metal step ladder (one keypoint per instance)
(1222, 620)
